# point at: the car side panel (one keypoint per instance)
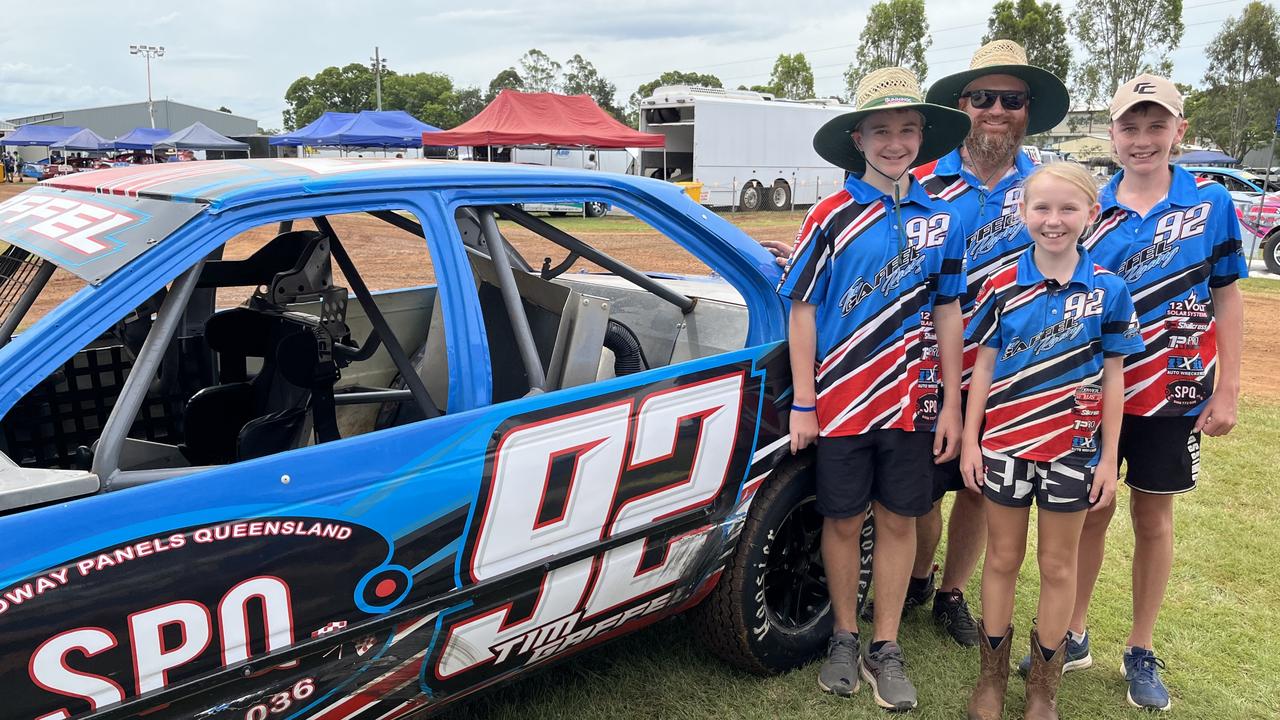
(413, 561)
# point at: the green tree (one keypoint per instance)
(539, 72)
(1245, 51)
(427, 96)
(581, 78)
(1212, 113)
(1041, 28)
(1120, 39)
(792, 77)
(346, 89)
(508, 79)
(896, 34)
(469, 101)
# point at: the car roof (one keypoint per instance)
(226, 183)
(1222, 170)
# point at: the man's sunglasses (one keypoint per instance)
(983, 99)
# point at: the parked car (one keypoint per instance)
(1259, 213)
(332, 502)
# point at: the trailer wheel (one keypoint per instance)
(596, 209)
(770, 611)
(779, 196)
(1271, 252)
(752, 196)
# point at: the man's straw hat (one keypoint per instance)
(892, 88)
(1049, 98)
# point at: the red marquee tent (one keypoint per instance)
(516, 118)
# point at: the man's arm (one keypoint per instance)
(979, 387)
(1219, 415)
(802, 344)
(949, 327)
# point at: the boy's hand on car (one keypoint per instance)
(1105, 478)
(781, 251)
(971, 466)
(804, 429)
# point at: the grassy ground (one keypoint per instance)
(1220, 608)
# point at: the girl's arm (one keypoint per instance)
(979, 388)
(802, 342)
(1106, 474)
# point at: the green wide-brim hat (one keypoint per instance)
(893, 88)
(1048, 97)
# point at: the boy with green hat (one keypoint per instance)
(874, 282)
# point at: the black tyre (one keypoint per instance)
(596, 209)
(557, 213)
(752, 198)
(1271, 252)
(770, 611)
(779, 196)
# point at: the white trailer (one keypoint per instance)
(748, 149)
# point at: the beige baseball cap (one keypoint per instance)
(1146, 88)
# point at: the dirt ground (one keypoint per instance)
(389, 258)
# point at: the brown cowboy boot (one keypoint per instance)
(987, 700)
(1043, 680)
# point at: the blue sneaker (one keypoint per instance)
(1142, 671)
(1078, 657)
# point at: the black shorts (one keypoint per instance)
(1056, 486)
(1161, 455)
(892, 467)
(947, 477)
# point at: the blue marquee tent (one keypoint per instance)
(370, 128)
(321, 126)
(199, 136)
(1205, 157)
(35, 135)
(141, 138)
(84, 140)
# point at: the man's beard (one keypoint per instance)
(988, 150)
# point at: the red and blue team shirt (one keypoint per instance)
(1188, 244)
(1045, 401)
(875, 284)
(997, 234)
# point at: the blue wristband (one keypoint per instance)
(804, 408)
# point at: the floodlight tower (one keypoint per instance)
(148, 52)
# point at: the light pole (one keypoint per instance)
(379, 63)
(148, 52)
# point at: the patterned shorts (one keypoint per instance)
(1057, 487)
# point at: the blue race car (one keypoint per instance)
(328, 502)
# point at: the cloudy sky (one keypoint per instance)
(75, 53)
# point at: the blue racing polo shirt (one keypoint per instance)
(1045, 401)
(875, 276)
(1186, 245)
(996, 232)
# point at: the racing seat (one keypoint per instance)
(244, 417)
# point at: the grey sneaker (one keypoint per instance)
(1078, 657)
(838, 675)
(885, 669)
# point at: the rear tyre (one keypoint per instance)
(1271, 252)
(596, 209)
(779, 196)
(770, 611)
(752, 198)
